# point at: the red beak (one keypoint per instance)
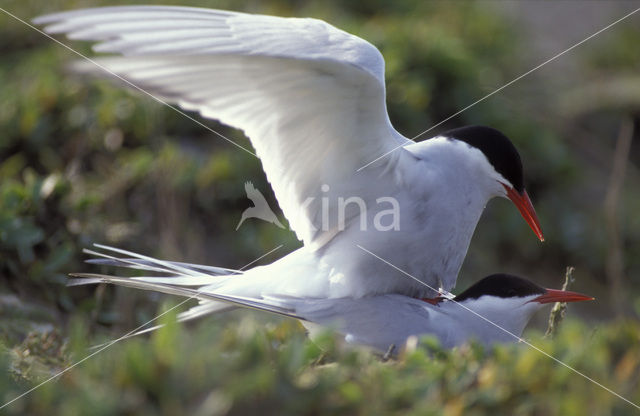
(553, 295)
(524, 205)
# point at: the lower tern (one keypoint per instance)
(496, 309)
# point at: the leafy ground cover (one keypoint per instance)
(242, 365)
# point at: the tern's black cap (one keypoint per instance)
(502, 286)
(498, 149)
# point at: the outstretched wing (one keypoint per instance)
(310, 97)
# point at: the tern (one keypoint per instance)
(496, 309)
(311, 98)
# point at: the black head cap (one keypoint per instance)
(502, 286)
(498, 149)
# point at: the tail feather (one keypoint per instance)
(183, 274)
(211, 281)
(181, 279)
(133, 263)
(150, 263)
(93, 278)
(266, 305)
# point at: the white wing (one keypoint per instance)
(376, 321)
(310, 97)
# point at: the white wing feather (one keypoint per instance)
(310, 97)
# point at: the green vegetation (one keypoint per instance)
(251, 368)
(82, 161)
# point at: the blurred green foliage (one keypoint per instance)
(82, 161)
(273, 369)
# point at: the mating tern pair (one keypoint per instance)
(311, 98)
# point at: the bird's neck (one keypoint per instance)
(462, 171)
(489, 319)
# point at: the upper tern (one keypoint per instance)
(311, 98)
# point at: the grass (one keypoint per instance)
(242, 363)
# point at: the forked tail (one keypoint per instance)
(193, 281)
